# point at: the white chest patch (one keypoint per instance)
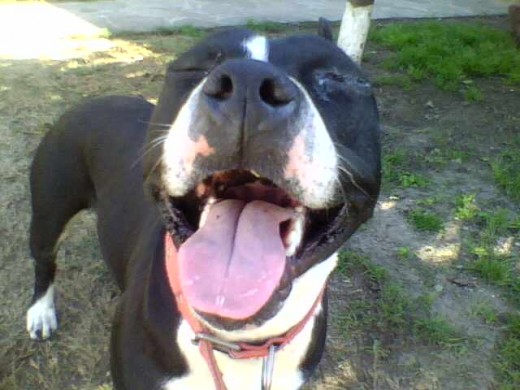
(241, 374)
(246, 374)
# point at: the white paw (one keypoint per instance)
(41, 317)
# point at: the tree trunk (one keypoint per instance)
(354, 27)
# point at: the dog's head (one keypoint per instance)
(264, 157)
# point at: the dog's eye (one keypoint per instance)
(331, 81)
(337, 77)
(333, 76)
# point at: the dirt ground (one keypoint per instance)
(423, 121)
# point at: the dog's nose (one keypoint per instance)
(256, 81)
(253, 92)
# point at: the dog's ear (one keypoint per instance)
(324, 29)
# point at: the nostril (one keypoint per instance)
(220, 88)
(275, 93)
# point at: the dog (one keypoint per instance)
(219, 211)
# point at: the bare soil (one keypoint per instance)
(423, 121)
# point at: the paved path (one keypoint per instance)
(43, 30)
(147, 15)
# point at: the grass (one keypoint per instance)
(266, 26)
(425, 221)
(404, 253)
(508, 359)
(397, 80)
(486, 312)
(500, 269)
(396, 170)
(394, 311)
(393, 164)
(466, 207)
(455, 56)
(506, 170)
(473, 94)
(491, 268)
(491, 265)
(186, 31)
(436, 330)
(449, 53)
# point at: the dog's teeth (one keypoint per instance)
(205, 211)
(295, 234)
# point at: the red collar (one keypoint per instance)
(239, 350)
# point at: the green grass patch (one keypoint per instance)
(425, 221)
(404, 253)
(392, 309)
(496, 268)
(349, 260)
(395, 171)
(393, 164)
(187, 31)
(407, 179)
(436, 330)
(496, 223)
(466, 207)
(486, 312)
(429, 201)
(398, 80)
(492, 268)
(506, 170)
(449, 52)
(508, 359)
(266, 26)
(473, 94)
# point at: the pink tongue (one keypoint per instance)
(231, 266)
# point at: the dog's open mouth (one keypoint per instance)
(240, 239)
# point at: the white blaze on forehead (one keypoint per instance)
(257, 48)
(180, 151)
(313, 161)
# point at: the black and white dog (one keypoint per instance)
(219, 210)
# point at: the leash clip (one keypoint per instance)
(268, 368)
(218, 344)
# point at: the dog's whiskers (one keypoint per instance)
(166, 125)
(149, 147)
(346, 171)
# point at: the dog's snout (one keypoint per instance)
(259, 85)
(251, 108)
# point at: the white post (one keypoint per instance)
(354, 27)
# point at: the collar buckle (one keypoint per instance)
(218, 344)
